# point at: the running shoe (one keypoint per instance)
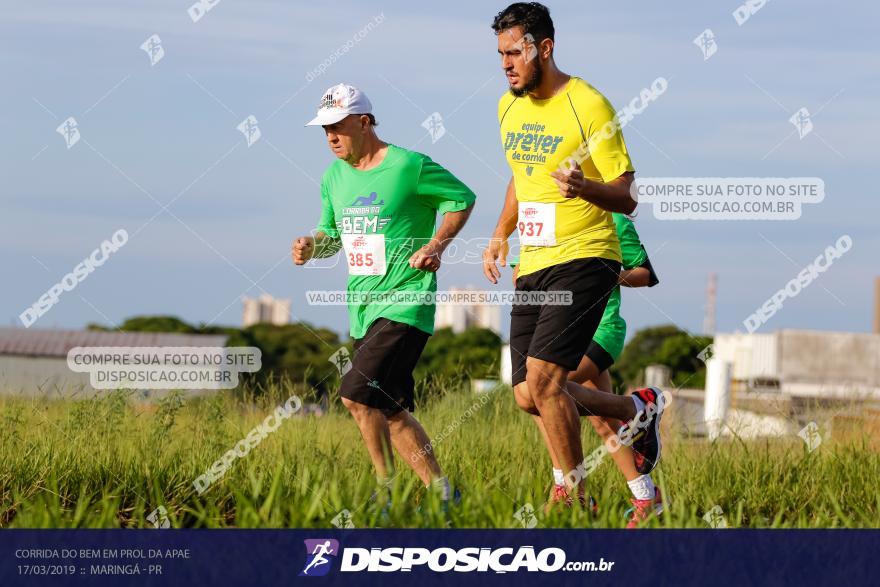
(643, 431)
(643, 508)
(559, 494)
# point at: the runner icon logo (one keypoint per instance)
(368, 200)
(318, 552)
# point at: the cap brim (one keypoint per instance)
(327, 116)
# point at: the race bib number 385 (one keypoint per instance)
(365, 253)
(537, 224)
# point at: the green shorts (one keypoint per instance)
(611, 335)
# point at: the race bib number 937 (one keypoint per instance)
(537, 224)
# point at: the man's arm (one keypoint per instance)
(509, 213)
(319, 246)
(427, 258)
(636, 277)
(498, 248)
(326, 245)
(613, 196)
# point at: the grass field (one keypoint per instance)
(108, 463)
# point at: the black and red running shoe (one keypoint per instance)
(642, 433)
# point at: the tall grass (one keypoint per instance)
(109, 462)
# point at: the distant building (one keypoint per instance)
(460, 317)
(265, 309)
(34, 362)
(807, 363)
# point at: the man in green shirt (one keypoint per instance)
(380, 203)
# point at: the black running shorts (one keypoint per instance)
(381, 374)
(560, 334)
(599, 356)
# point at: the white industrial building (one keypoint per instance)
(762, 384)
(33, 362)
(806, 363)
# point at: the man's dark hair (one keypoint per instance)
(533, 17)
(372, 120)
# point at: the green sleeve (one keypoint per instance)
(513, 261)
(327, 223)
(631, 249)
(441, 190)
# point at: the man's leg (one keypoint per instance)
(607, 429)
(379, 384)
(376, 434)
(553, 458)
(546, 383)
(558, 491)
(385, 364)
(593, 402)
(548, 341)
(639, 412)
(584, 401)
(588, 373)
(414, 447)
(646, 497)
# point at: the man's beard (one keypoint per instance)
(534, 81)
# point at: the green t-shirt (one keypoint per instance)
(383, 215)
(611, 332)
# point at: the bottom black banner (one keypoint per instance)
(436, 557)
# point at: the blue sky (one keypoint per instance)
(168, 133)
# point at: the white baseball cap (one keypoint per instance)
(338, 102)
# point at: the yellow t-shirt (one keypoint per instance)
(538, 136)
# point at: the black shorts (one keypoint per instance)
(381, 374)
(561, 334)
(599, 356)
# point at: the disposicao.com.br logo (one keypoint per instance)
(442, 560)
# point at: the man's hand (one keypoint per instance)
(613, 196)
(496, 251)
(302, 249)
(571, 182)
(427, 258)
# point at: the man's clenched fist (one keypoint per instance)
(302, 249)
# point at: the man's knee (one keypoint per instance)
(355, 408)
(398, 421)
(586, 372)
(524, 399)
(545, 379)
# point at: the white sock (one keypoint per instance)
(441, 484)
(640, 405)
(642, 487)
(558, 477)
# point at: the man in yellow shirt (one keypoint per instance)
(571, 170)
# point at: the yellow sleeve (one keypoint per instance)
(605, 137)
